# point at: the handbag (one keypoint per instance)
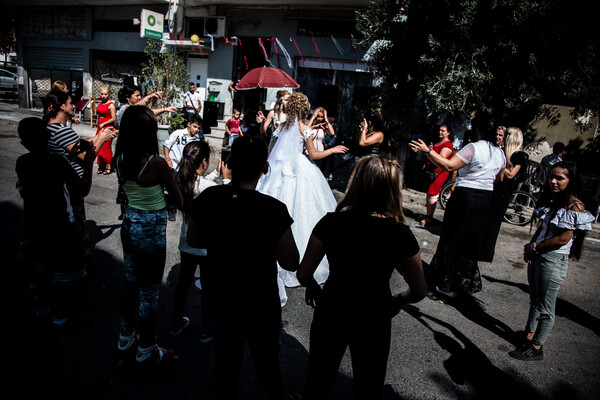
(428, 172)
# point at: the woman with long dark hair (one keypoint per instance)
(58, 110)
(191, 180)
(443, 147)
(144, 176)
(372, 139)
(563, 222)
(131, 95)
(463, 240)
(352, 311)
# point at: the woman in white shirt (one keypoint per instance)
(466, 220)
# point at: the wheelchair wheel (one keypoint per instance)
(520, 209)
(445, 193)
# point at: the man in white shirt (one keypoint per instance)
(173, 146)
(192, 102)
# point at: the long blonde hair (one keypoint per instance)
(375, 187)
(513, 141)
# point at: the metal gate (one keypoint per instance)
(54, 58)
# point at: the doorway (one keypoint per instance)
(198, 69)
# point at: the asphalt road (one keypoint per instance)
(440, 350)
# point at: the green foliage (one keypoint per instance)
(501, 59)
(177, 122)
(168, 73)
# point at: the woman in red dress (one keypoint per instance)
(444, 148)
(107, 115)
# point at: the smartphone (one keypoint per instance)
(225, 153)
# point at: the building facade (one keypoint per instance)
(90, 44)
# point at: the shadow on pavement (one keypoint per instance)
(564, 308)
(468, 366)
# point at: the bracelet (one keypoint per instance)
(429, 152)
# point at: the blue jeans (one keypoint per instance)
(545, 274)
(231, 139)
(143, 235)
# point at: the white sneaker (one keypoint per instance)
(447, 293)
(125, 342)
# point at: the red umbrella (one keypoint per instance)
(266, 77)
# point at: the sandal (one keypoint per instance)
(100, 171)
(424, 222)
(107, 171)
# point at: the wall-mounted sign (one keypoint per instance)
(151, 25)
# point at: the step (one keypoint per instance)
(216, 132)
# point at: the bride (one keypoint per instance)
(296, 180)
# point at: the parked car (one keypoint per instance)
(8, 80)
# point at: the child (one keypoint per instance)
(173, 146)
(232, 127)
(192, 167)
(46, 183)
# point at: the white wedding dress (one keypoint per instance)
(295, 180)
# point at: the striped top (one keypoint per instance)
(61, 137)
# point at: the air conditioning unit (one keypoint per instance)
(214, 26)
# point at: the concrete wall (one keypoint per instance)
(543, 133)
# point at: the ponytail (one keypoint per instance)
(193, 155)
(52, 103)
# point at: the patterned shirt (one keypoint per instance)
(61, 137)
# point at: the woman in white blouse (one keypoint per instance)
(467, 217)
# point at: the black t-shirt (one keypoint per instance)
(508, 186)
(45, 181)
(239, 229)
(520, 158)
(362, 252)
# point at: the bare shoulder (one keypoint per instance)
(158, 163)
(575, 204)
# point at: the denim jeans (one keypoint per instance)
(231, 139)
(143, 235)
(545, 274)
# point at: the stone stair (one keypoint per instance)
(217, 131)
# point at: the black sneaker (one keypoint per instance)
(528, 353)
(520, 340)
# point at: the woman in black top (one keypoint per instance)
(508, 179)
(372, 139)
(355, 307)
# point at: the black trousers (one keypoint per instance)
(261, 334)
(367, 337)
